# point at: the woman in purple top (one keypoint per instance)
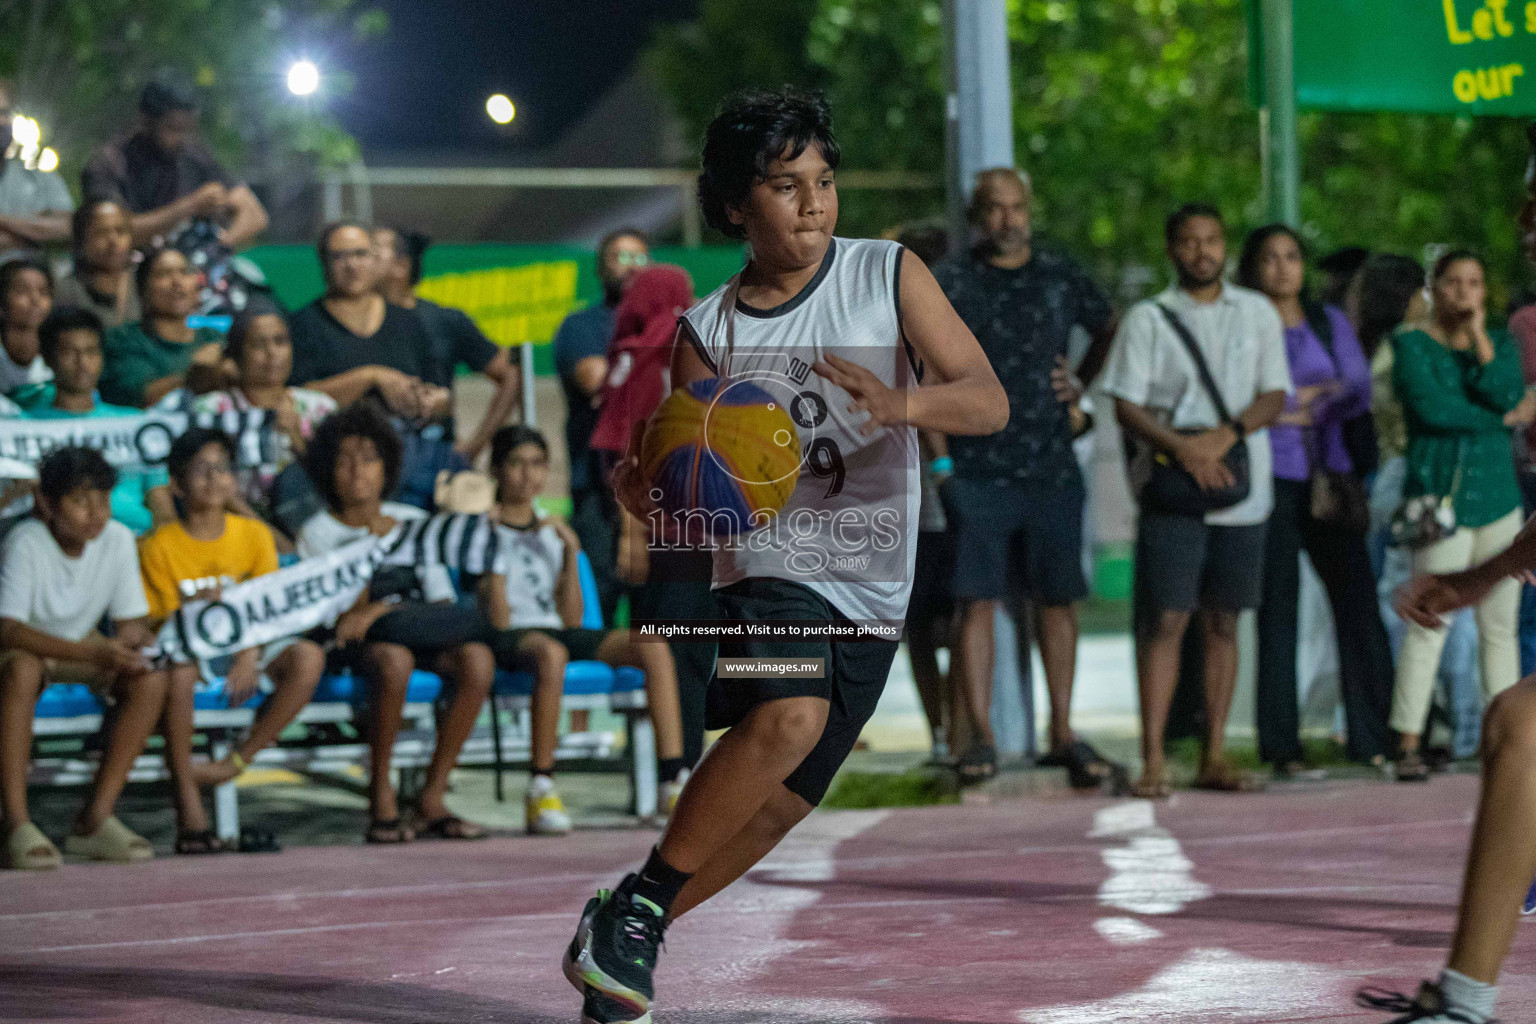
(1333, 386)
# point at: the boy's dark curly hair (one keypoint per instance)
(63, 470)
(362, 419)
(751, 131)
(185, 448)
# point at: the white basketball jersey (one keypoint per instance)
(849, 530)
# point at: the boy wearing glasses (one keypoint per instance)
(193, 558)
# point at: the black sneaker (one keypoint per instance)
(598, 1008)
(615, 948)
(1428, 1007)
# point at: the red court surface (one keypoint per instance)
(1064, 911)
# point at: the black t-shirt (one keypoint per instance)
(137, 174)
(455, 339)
(323, 348)
(1023, 319)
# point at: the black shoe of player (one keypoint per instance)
(615, 948)
(1428, 1007)
(598, 1008)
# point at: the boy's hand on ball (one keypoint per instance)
(886, 406)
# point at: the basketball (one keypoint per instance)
(718, 451)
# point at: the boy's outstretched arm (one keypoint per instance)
(964, 396)
(1425, 599)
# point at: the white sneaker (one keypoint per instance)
(667, 796)
(544, 809)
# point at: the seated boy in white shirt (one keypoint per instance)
(61, 572)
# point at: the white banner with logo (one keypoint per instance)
(128, 442)
(316, 591)
(291, 601)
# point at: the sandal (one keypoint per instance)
(258, 840)
(1411, 768)
(1151, 787)
(199, 842)
(27, 849)
(388, 832)
(450, 827)
(1223, 778)
(1086, 767)
(979, 763)
(113, 842)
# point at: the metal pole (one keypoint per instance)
(979, 135)
(954, 186)
(1283, 163)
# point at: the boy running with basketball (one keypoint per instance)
(842, 330)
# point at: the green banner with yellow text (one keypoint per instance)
(518, 294)
(1429, 56)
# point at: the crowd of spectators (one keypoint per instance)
(1367, 424)
(355, 397)
(1362, 413)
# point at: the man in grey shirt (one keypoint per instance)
(34, 205)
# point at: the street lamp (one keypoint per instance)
(303, 78)
(500, 108)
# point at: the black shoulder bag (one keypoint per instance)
(1172, 489)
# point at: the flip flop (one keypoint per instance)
(258, 840)
(1086, 767)
(1151, 788)
(1411, 768)
(113, 842)
(1530, 902)
(388, 832)
(450, 827)
(27, 849)
(979, 763)
(1226, 779)
(199, 842)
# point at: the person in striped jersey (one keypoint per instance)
(408, 617)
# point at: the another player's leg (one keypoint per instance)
(1500, 868)
(661, 696)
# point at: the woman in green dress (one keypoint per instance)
(1460, 386)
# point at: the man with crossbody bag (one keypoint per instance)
(1197, 373)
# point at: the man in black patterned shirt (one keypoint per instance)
(1017, 496)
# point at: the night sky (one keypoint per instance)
(423, 86)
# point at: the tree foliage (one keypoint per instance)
(79, 66)
(1122, 110)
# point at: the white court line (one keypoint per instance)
(1150, 874)
(785, 865)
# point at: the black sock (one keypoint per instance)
(548, 773)
(669, 768)
(659, 881)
